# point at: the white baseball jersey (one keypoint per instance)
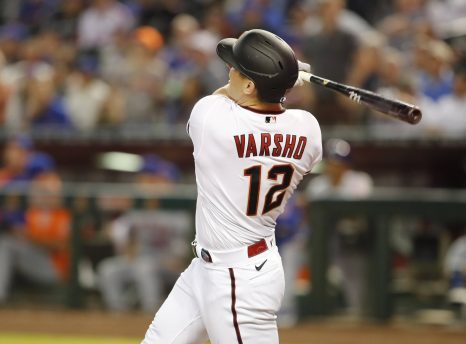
(248, 163)
(247, 166)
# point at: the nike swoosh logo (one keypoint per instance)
(260, 266)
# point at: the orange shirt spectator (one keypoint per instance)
(48, 223)
(51, 228)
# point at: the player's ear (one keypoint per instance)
(248, 87)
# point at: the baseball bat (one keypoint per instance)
(392, 107)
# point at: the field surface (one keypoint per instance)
(64, 327)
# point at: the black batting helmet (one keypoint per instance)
(264, 58)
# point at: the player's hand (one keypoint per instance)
(304, 70)
(304, 67)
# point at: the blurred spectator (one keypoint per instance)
(113, 55)
(445, 16)
(16, 156)
(39, 250)
(393, 80)
(455, 262)
(215, 21)
(205, 76)
(134, 67)
(158, 14)
(178, 109)
(349, 235)
(101, 21)
(182, 83)
(65, 20)
(210, 69)
(451, 107)
(175, 52)
(346, 20)
(435, 75)
(86, 95)
(45, 106)
(11, 36)
(156, 173)
(371, 11)
(258, 14)
(21, 163)
(330, 51)
(34, 13)
(149, 245)
(157, 57)
(290, 234)
(365, 70)
(455, 270)
(29, 88)
(403, 26)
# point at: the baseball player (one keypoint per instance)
(250, 154)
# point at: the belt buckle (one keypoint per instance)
(205, 255)
(193, 247)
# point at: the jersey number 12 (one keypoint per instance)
(271, 202)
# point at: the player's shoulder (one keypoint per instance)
(306, 115)
(213, 100)
(304, 119)
(208, 106)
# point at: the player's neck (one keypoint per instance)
(255, 104)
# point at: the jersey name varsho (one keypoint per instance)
(266, 144)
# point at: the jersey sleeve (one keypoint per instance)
(316, 139)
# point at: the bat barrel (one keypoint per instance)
(392, 107)
(403, 111)
(414, 115)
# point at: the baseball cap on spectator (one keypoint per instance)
(152, 164)
(149, 38)
(40, 163)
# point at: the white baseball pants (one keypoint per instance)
(221, 303)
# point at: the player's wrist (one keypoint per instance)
(304, 73)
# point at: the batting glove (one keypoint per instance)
(304, 71)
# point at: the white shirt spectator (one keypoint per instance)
(455, 259)
(14, 79)
(85, 101)
(447, 17)
(452, 110)
(445, 118)
(354, 184)
(99, 23)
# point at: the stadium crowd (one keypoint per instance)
(80, 65)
